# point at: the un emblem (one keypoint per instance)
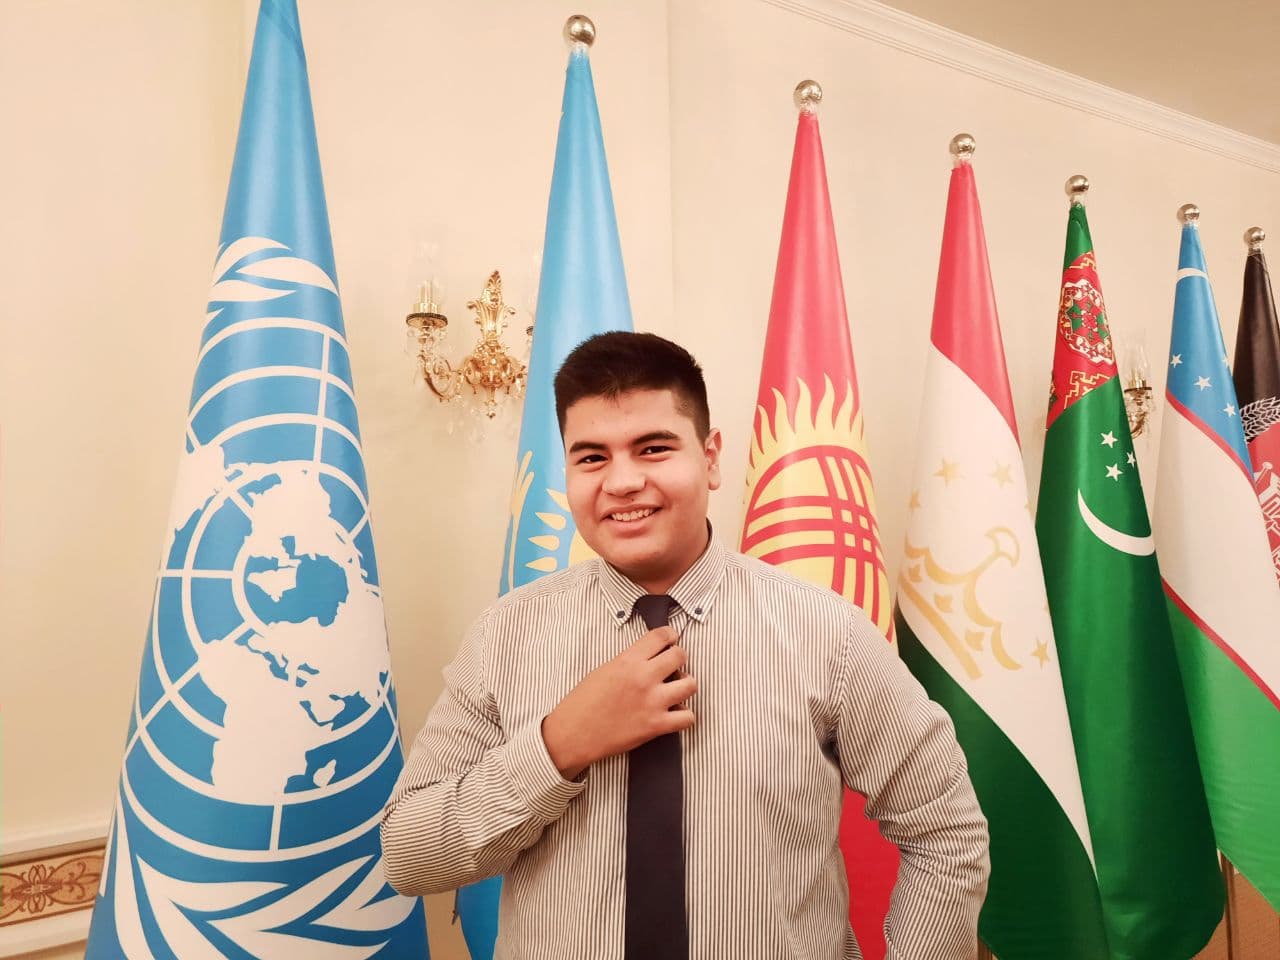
(264, 740)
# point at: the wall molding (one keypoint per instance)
(50, 876)
(35, 841)
(921, 38)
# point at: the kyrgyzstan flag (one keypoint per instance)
(810, 507)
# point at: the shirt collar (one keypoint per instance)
(694, 592)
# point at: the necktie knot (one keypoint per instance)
(655, 609)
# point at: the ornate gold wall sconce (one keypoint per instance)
(492, 373)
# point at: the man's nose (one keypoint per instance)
(623, 478)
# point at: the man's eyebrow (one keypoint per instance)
(655, 435)
(580, 445)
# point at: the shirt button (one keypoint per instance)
(620, 614)
(697, 611)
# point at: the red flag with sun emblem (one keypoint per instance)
(810, 507)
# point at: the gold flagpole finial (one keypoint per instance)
(1253, 238)
(962, 146)
(580, 29)
(1077, 188)
(808, 95)
(1188, 213)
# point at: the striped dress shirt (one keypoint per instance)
(798, 694)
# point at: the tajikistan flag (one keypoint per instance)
(1223, 600)
(973, 619)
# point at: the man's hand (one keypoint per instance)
(622, 704)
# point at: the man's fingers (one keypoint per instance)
(679, 690)
(673, 721)
(654, 642)
(669, 661)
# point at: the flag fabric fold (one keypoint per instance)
(973, 620)
(582, 292)
(263, 741)
(1224, 602)
(1157, 867)
(1257, 380)
(810, 507)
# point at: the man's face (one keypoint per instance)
(638, 479)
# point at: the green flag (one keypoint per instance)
(1161, 889)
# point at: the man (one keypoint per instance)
(676, 791)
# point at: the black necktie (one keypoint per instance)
(656, 927)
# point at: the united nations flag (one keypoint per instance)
(263, 740)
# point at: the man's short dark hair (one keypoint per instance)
(611, 364)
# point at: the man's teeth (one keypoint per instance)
(631, 515)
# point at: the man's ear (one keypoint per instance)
(711, 449)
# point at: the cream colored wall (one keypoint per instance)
(886, 120)
(119, 122)
(436, 126)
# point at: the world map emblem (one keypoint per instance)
(810, 502)
(263, 740)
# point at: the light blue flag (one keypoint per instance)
(583, 291)
(263, 741)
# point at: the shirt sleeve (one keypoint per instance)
(899, 748)
(470, 797)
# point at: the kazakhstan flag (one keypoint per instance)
(263, 740)
(583, 292)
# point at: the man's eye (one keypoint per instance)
(589, 459)
(655, 448)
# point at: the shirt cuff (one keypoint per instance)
(535, 778)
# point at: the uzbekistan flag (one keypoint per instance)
(1224, 603)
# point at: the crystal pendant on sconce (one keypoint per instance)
(1139, 399)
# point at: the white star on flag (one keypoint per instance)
(1132, 459)
(1202, 383)
(1229, 410)
(1175, 360)
(1114, 471)
(1109, 438)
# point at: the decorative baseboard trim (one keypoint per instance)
(65, 838)
(48, 886)
(48, 881)
(911, 34)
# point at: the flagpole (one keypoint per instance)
(1229, 881)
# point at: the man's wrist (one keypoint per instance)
(555, 738)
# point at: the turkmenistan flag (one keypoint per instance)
(1223, 600)
(973, 623)
(1157, 865)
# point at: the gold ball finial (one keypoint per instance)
(808, 95)
(1188, 213)
(1077, 188)
(963, 146)
(1253, 238)
(580, 29)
